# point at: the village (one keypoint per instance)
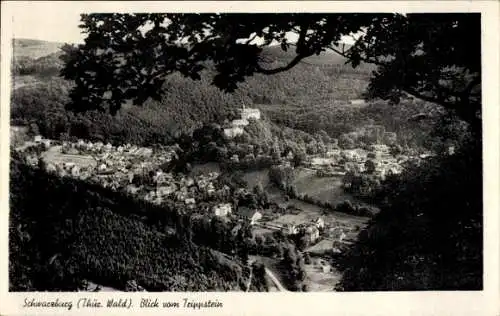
(140, 172)
(137, 171)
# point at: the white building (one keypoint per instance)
(166, 190)
(320, 223)
(240, 123)
(357, 102)
(251, 215)
(223, 209)
(248, 113)
(233, 132)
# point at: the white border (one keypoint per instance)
(484, 302)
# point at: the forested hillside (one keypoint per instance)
(312, 97)
(64, 232)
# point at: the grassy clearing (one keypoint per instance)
(324, 189)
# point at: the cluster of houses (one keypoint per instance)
(179, 188)
(339, 161)
(137, 171)
(311, 230)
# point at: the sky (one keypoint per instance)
(44, 22)
(56, 22)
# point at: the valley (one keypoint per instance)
(269, 188)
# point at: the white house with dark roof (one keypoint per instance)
(250, 215)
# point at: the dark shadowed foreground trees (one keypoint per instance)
(429, 233)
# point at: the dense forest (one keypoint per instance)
(428, 234)
(57, 244)
(187, 104)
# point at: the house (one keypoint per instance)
(190, 201)
(37, 138)
(46, 143)
(102, 168)
(75, 171)
(235, 158)
(68, 165)
(358, 102)
(210, 189)
(188, 181)
(312, 233)
(132, 189)
(320, 223)
(248, 113)
(166, 190)
(51, 168)
(233, 132)
(325, 268)
(290, 229)
(239, 123)
(222, 209)
(250, 215)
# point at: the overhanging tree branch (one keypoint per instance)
(290, 65)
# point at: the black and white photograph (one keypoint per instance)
(246, 152)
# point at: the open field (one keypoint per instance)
(309, 212)
(55, 156)
(324, 189)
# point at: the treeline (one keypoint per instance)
(62, 232)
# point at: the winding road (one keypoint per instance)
(275, 280)
(270, 274)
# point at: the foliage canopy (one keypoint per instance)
(126, 57)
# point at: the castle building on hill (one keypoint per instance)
(248, 113)
(238, 124)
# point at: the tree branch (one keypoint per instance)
(290, 65)
(344, 53)
(416, 94)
